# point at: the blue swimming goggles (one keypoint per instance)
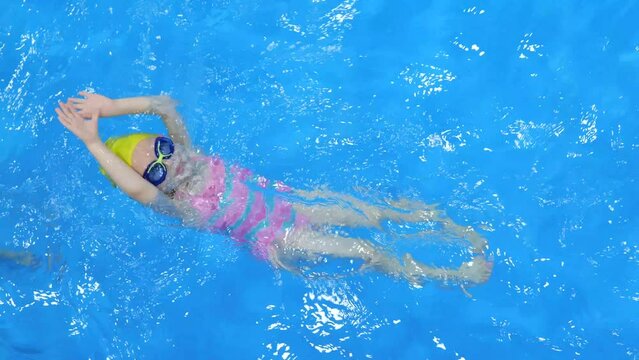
(156, 172)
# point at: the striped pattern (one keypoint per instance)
(234, 203)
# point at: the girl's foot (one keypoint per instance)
(477, 270)
(480, 245)
(416, 272)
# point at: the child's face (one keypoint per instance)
(143, 155)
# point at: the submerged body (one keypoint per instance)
(209, 194)
(276, 222)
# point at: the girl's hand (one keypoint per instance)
(85, 130)
(92, 104)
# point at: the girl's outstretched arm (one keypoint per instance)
(122, 175)
(165, 106)
(161, 105)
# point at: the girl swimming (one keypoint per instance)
(282, 225)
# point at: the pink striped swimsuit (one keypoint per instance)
(236, 203)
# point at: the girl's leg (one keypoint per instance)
(452, 232)
(347, 210)
(306, 243)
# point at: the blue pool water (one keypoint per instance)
(519, 119)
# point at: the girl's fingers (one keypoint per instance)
(74, 114)
(60, 110)
(78, 108)
(71, 116)
(76, 101)
(94, 117)
(68, 111)
(65, 108)
(62, 118)
(57, 111)
(84, 93)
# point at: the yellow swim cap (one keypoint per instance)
(124, 146)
